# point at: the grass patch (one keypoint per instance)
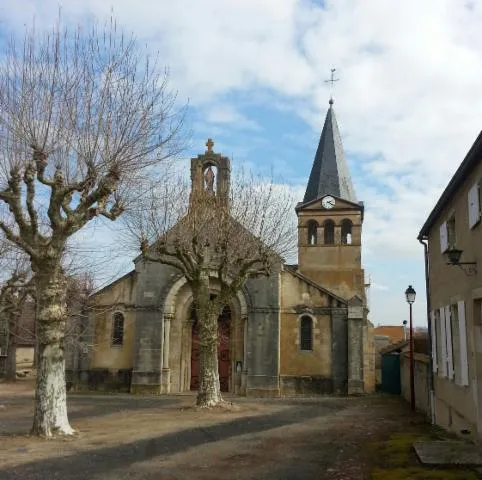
(394, 459)
(421, 473)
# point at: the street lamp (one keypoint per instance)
(410, 296)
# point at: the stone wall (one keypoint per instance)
(421, 375)
(263, 336)
(369, 357)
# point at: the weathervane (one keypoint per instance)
(332, 80)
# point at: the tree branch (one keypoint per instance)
(17, 240)
(173, 261)
(29, 180)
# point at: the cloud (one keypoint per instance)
(227, 114)
(407, 101)
(382, 288)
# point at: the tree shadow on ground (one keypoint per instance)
(90, 464)
(80, 407)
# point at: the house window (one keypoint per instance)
(312, 232)
(329, 232)
(455, 336)
(306, 333)
(441, 353)
(118, 329)
(451, 235)
(478, 311)
(474, 205)
(346, 227)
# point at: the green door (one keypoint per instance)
(391, 373)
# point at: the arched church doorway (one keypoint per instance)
(224, 335)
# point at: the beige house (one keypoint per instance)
(452, 236)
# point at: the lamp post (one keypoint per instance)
(410, 296)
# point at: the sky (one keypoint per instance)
(253, 73)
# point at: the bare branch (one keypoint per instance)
(84, 119)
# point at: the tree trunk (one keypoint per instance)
(209, 393)
(50, 415)
(11, 364)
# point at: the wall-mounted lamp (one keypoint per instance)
(454, 254)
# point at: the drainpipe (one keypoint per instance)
(429, 322)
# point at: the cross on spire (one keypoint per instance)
(210, 145)
(332, 80)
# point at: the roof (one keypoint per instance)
(103, 289)
(470, 161)
(393, 347)
(292, 269)
(420, 345)
(329, 174)
(396, 333)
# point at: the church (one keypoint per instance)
(303, 330)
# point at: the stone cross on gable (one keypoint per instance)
(210, 145)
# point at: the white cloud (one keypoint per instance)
(377, 286)
(407, 102)
(227, 114)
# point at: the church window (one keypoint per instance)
(118, 329)
(312, 232)
(306, 333)
(329, 232)
(346, 235)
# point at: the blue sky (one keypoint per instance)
(408, 101)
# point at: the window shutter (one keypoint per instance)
(473, 205)
(448, 334)
(464, 361)
(434, 342)
(444, 343)
(444, 245)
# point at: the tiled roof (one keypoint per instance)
(395, 332)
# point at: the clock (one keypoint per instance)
(328, 202)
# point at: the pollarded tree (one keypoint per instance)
(85, 117)
(14, 291)
(217, 240)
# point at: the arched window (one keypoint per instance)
(312, 232)
(346, 227)
(329, 228)
(118, 329)
(306, 333)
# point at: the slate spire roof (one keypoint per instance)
(329, 174)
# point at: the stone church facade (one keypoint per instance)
(303, 330)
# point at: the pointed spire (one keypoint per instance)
(329, 174)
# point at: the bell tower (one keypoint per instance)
(210, 174)
(330, 219)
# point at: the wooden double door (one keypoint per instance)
(224, 367)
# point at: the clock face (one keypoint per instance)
(328, 202)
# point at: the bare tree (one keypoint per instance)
(14, 292)
(79, 288)
(85, 117)
(217, 243)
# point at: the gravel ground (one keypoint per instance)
(131, 437)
